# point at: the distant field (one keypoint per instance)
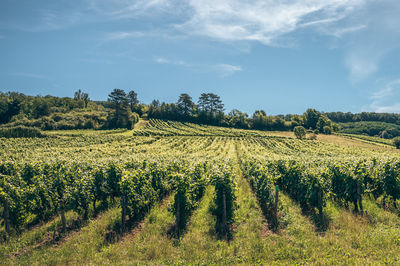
(181, 193)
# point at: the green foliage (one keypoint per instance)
(371, 128)
(299, 132)
(311, 118)
(79, 168)
(301, 183)
(186, 105)
(396, 142)
(137, 192)
(20, 132)
(225, 199)
(121, 116)
(327, 130)
(189, 187)
(262, 182)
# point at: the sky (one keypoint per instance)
(281, 56)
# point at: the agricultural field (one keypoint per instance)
(181, 193)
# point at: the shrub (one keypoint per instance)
(396, 142)
(20, 132)
(300, 132)
(327, 130)
(384, 134)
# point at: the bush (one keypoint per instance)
(300, 132)
(396, 142)
(384, 134)
(327, 130)
(20, 132)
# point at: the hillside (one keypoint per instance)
(120, 191)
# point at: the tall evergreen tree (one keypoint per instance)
(120, 104)
(211, 107)
(133, 100)
(185, 104)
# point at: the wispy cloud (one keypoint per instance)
(386, 99)
(156, 33)
(339, 32)
(222, 70)
(122, 35)
(377, 35)
(394, 108)
(259, 20)
(386, 91)
(367, 29)
(125, 9)
(227, 70)
(163, 60)
(361, 64)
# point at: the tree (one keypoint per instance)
(82, 96)
(259, 119)
(323, 121)
(185, 105)
(85, 98)
(9, 106)
(122, 116)
(204, 102)
(78, 94)
(311, 117)
(300, 132)
(238, 119)
(133, 100)
(211, 105)
(216, 105)
(279, 123)
(40, 108)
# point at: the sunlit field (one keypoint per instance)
(170, 192)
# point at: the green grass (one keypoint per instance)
(76, 248)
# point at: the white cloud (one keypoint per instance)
(163, 60)
(126, 9)
(227, 70)
(386, 99)
(395, 108)
(122, 35)
(367, 29)
(369, 45)
(260, 20)
(386, 91)
(235, 20)
(340, 32)
(361, 64)
(223, 70)
(125, 35)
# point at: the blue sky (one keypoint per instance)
(281, 56)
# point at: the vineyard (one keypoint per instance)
(171, 192)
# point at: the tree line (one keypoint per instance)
(123, 109)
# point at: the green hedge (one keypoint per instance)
(20, 132)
